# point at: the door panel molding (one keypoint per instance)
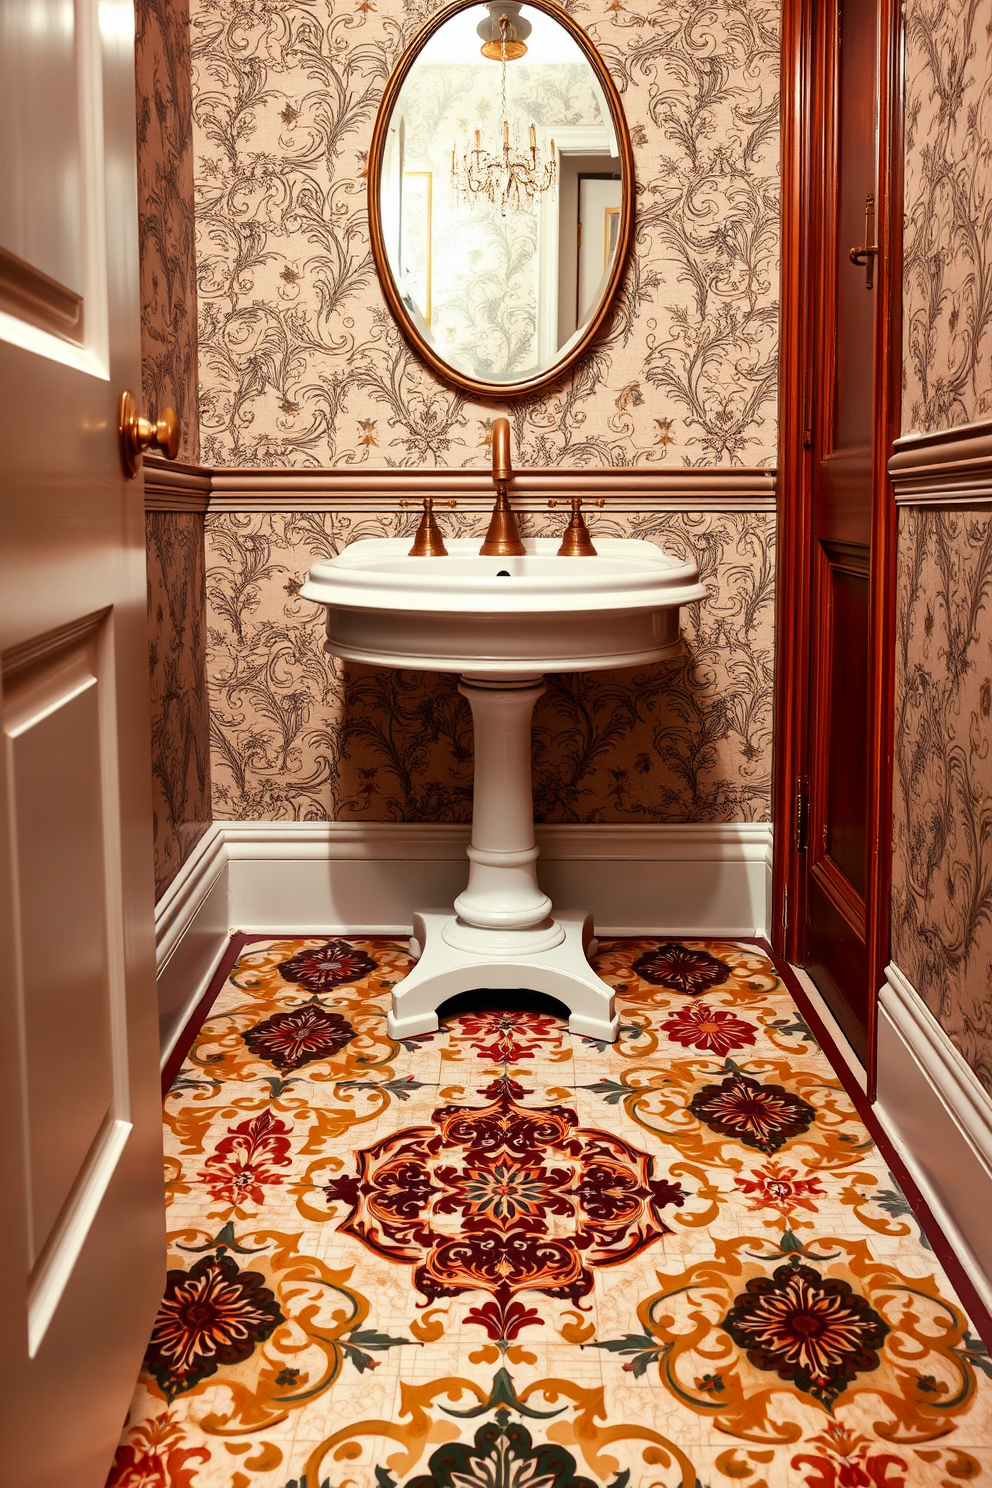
(831, 881)
(58, 710)
(808, 115)
(29, 294)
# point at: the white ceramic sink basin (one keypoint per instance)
(503, 616)
(501, 623)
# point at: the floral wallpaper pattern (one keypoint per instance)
(942, 889)
(301, 364)
(297, 735)
(947, 320)
(165, 215)
(180, 724)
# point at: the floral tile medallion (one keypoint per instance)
(505, 1254)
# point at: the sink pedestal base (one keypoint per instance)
(502, 935)
(444, 970)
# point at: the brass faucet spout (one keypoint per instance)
(502, 464)
(503, 538)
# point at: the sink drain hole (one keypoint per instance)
(504, 573)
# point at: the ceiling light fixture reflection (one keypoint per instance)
(502, 170)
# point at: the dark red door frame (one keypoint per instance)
(805, 122)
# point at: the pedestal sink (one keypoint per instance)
(501, 623)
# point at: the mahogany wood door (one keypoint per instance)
(82, 1252)
(837, 509)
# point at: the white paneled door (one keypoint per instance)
(81, 1233)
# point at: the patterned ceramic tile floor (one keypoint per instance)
(502, 1255)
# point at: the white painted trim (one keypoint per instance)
(950, 1074)
(664, 879)
(191, 885)
(410, 841)
(939, 1118)
(192, 929)
(370, 877)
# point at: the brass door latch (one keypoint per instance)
(867, 256)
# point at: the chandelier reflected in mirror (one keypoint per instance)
(499, 167)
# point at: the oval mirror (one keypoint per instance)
(501, 192)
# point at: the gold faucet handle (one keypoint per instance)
(576, 542)
(429, 539)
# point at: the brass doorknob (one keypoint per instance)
(139, 434)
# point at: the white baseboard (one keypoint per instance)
(192, 929)
(939, 1118)
(369, 877)
(666, 880)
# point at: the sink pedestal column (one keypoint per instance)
(502, 935)
(503, 906)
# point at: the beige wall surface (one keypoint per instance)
(174, 542)
(942, 846)
(165, 215)
(942, 863)
(299, 736)
(300, 362)
(177, 665)
(947, 303)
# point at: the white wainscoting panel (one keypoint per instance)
(939, 1118)
(369, 877)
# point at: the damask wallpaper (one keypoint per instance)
(165, 215)
(942, 889)
(299, 736)
(947, 297)
(300, 363)
(180, 723)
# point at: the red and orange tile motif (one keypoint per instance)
(505, 1257)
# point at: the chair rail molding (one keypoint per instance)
(939, 1117)
(949, 467)
(171, 486)
(630, 487)
(347, 878)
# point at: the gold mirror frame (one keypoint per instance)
(467, 384)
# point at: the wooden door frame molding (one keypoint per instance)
(803, 125)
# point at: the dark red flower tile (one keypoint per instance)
(813, 1331)
(291, 1040)
(331, 965)
(505, 1198)
(717, 1030)
(682, 969)
(761, 1116)
(211, 1315)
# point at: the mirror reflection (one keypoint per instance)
(501, 193)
